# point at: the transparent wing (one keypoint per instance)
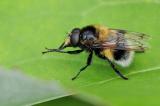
(138, 41)
(124, 40)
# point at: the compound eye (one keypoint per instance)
(74, 37)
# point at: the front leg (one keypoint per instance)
(115, 69)
(89, 61)
(61, 51)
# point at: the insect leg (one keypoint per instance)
(74, 52)
(89, 60)
(60, 51)
(139, 51)
(115, 69)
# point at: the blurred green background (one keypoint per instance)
(27, 26)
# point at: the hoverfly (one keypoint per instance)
(113, 45)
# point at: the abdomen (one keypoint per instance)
(123, 57)
(120, 57)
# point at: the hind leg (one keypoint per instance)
(117, 71)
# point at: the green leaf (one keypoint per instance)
(19, 90)
(29, 26)
(69, 101)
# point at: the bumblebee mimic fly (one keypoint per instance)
(115, 46)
